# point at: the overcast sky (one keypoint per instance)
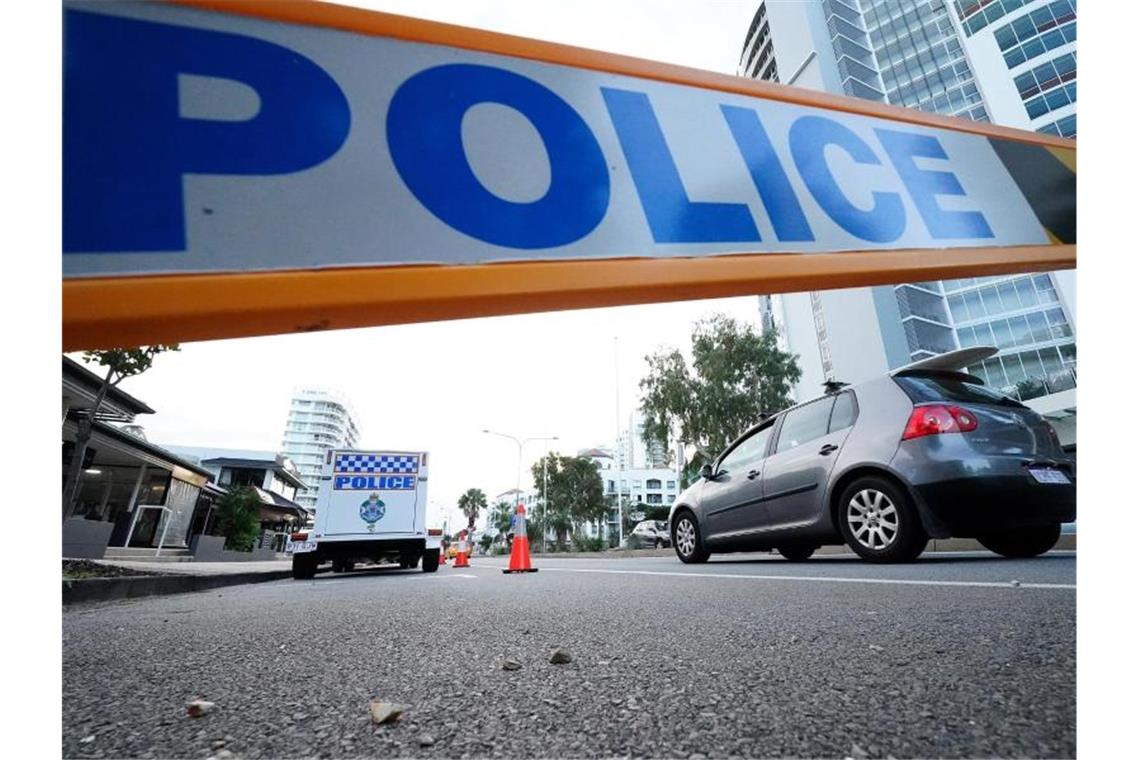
(436, 386)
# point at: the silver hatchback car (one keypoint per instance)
(922, 452)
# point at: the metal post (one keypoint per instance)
(618, 446)
(166, 524)
(545, 527)
(133, 506)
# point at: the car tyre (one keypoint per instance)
(687, 539)
(879, 521)
(796, 552)
(431, 561)
(1022, 542)
(304, 566)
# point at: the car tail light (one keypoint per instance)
(300, 535)
(933, 419)
(435, 531)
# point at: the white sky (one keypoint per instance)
(436, 386)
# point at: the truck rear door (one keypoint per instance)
(374, 493)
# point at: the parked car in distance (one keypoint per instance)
(649, 534)
(925, 451)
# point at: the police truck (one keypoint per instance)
(371, 507)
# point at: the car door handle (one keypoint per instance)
(753, 474)
(827, 448)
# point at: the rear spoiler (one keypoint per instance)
(952, 361)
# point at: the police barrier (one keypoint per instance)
(226, 174)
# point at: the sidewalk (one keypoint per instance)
(171, 578)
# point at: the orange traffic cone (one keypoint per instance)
(461, 551)
(520, 547)
(442, 555)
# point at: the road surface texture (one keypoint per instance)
(961, 655)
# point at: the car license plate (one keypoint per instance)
(1049, 476)
(300, 547)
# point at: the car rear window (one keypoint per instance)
(950, 386)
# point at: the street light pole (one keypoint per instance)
(518, 472)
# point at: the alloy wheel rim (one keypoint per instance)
(873, 519)
(686, 536)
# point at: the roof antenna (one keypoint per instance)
(834, 386)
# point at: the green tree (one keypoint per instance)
(738, 376)
(238, 518)
(501, 516)
(574, 493)
(121, 363)
(470, 504)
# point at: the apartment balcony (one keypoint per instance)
(917, 301)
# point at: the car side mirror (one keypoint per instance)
(706, 471)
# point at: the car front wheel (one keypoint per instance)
(879, 522)
(1023, 542)
(687, 540)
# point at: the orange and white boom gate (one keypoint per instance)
(250, 168)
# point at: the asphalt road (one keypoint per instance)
(747, 657)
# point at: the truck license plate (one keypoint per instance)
(1042, 475)
(300, 547)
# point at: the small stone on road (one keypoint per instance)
(560, 656)
(199, 707)
(385, 712)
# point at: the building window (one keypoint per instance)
(653, 484)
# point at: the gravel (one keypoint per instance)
(662, 667)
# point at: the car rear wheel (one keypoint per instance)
(879, 522)
(796, 552)
(687, 540)
(431, 561)
(1022, 542)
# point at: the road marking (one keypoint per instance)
(816, 578)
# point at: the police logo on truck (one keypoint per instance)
(372, 510)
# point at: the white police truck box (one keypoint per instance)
(372, 506)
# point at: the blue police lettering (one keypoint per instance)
(768, 174)
(672, 217)
(885, 221)
(923, 185)
(126, 148)
(426, 142)
(374, 482)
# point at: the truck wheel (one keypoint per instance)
(431, 561)
(338, 565)
(408, 561)
(304, 566)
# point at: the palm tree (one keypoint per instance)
(470, 503)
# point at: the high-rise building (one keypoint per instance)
(319, 420)
(1012, 62)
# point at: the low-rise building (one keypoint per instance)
(132, 492)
